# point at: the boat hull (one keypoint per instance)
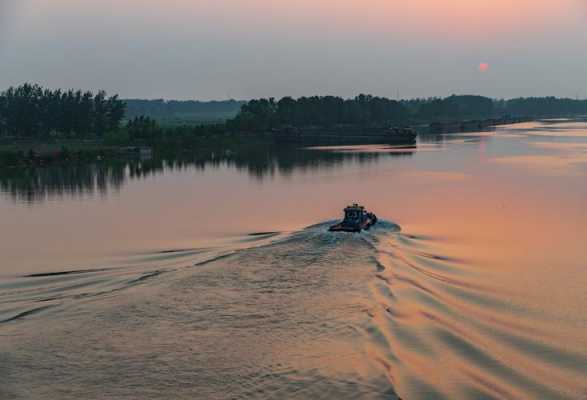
(353, 228)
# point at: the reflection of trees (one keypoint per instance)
(39, 184)
(260, 161)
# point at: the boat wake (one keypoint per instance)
(310, 314)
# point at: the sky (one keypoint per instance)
(243, 49)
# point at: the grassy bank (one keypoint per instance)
(29, 153)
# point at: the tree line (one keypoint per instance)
(366, 110)
(543, 106)
(263, 114)
(451, 108)
(31, 111)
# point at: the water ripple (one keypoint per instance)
(308, 314)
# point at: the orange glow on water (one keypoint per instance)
(484, 282)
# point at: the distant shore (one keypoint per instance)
(40, 126)
(39, 153)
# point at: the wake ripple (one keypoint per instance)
(378, 315)
(445, 332)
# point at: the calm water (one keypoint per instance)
(214, 276)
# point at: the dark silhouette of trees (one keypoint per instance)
(543, 106)
(364, 110)
(30, 111)
(452, 108)
(143, 128)
(456, 108)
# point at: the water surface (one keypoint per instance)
(213, 276)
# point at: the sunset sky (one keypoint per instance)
(215, 49)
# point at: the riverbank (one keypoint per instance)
(39, 154)
(31, 153)
(28, 153)
(472, 125)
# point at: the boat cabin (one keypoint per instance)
(354, 214)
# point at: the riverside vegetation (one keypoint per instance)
(39, 125)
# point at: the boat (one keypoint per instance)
(356, 219)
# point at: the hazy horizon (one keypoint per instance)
(222, 49)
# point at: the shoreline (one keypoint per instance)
(16, 153)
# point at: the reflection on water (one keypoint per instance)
(556, 158)
(217, 278)
(38, 184)
(85, 180)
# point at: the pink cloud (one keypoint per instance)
(483, 67)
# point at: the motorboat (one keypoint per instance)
(356, 219)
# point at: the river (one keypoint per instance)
(215, 277)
